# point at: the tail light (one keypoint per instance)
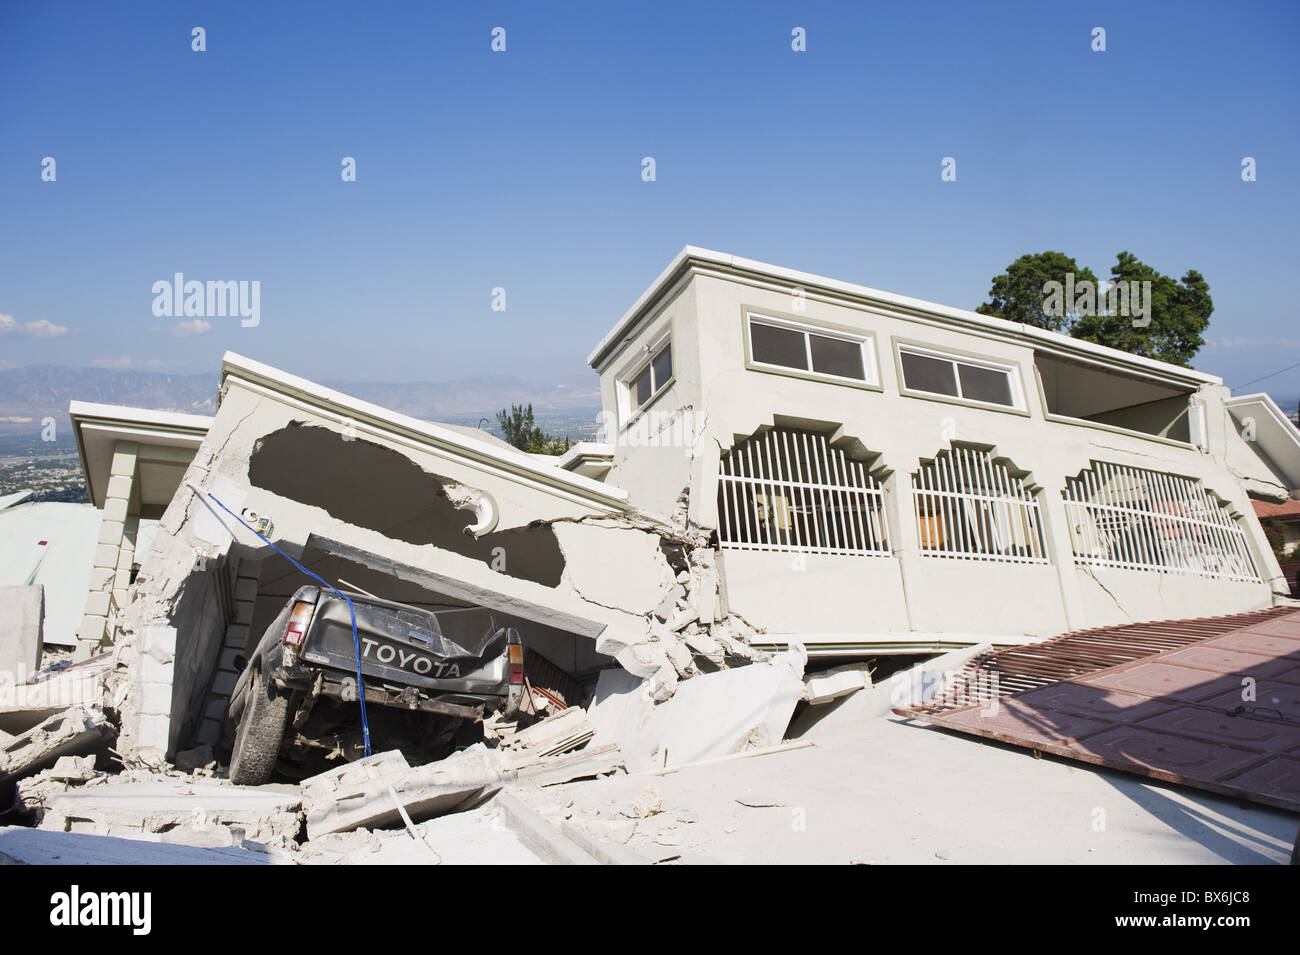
(299, 620)
(515, 653)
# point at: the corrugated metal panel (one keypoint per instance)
(1004, 672)
(1218, 710)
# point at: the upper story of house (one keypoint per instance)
(766, 392)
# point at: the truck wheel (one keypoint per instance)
(260, 733)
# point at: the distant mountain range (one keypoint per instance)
(561, 405)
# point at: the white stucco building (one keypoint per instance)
(884, 473)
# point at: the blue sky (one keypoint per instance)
(523, 169)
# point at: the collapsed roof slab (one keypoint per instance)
(314, 468)
(492, 598)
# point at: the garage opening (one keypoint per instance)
(422, 698)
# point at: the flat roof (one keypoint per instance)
(692, 257)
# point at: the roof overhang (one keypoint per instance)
(592, 459)
(1275, 435)
(167, 441)
(438, 439)
(693, 260)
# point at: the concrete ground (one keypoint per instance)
(880, 791)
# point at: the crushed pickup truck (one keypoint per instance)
(428, 674)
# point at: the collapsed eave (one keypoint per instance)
(98, 427)
(1274, 432)
(363, 415)
(695, 260)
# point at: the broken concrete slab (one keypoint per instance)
(716, 714)
(78, 731)
(474, 837)
(642, 579)
(22, 621)
(24, 705)
(565, 731)
(827, 685)
(73, 769)
(548, 842)
(173, 810)
(584, 764)
(619, 708)
(366, 793)
(841, 718)
(915, 686)
(20, 846)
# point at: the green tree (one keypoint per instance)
(1171, 325)
(1179, 315)
(521, 431)
(1017, 295)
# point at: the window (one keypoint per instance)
(810, 349)
(955, 377)
(968, 505)
(1149, 520)
(791, 491)
(650, 377)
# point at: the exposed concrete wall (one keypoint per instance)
(656, 460)
(893, 433)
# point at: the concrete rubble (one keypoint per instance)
(77, 731)
(208, 814)
(374, 792)
(51, 690)
(710, 715)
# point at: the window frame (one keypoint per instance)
(864, 339)
(1012, 369)
(628, 411)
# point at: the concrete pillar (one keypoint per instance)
(108, 553)
(125, 558)
(900, 523)
(1056, 535)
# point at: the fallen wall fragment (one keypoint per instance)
(713, 714)
(22, 619)
(368, 792)
(173, 810)
(46, 694)
(79, 731)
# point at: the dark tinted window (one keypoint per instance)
(923, 373)
(778, 346)
(985, 384)
(663, 367)
(834, 356)
(642, 389)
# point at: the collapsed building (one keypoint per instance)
(787, 460)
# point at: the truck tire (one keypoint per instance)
(260, 733)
